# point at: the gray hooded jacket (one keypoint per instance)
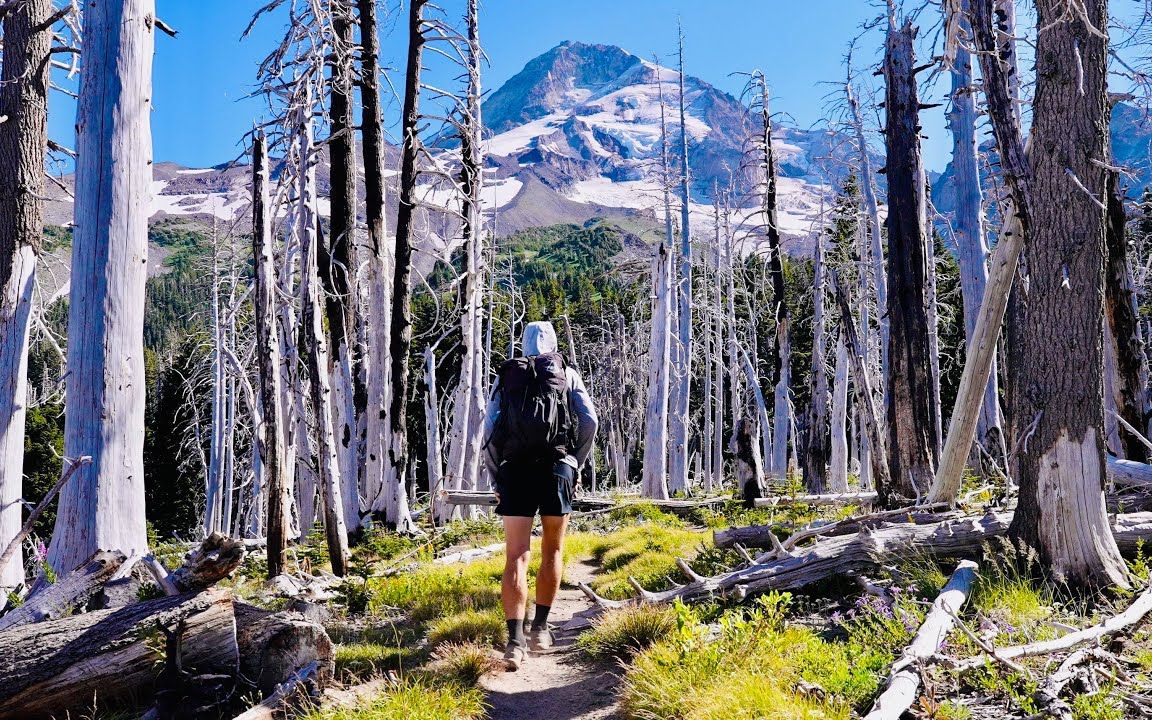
(540, 338)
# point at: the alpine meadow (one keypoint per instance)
(528, 360)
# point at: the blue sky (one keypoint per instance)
(202, 77)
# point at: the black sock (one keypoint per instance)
(516, 632)
(541, 620)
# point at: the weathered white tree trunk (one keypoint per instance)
(468, 409)
(716, 477)
(816, 448)
(681, 396)
(968, 221)
(838, 454)
(270, 434)
(434, 457)
(654, 482)
(23, 142)
(102, 506)
(335, 529)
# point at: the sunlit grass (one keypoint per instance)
(413, 700)
(482, 627)
(625, 632)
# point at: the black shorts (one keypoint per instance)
(527, 488)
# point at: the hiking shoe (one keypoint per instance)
(514, 657)
(540, 638)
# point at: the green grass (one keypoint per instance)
(413, 700)
(623, 633)
(482, 627)
(754, 667)
(646, 552)
(361, 661)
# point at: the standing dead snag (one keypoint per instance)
(271, 434)
(102, 507)
(338, 265)
(23, 143)
(816, 452)
(1061, 469)
(1130, 383)
(968, 220)
(998, 67)
(913, 389)
(401, 344)
(681, 390)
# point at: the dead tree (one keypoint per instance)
(401, 342)
(271, 435)
(816, 449)
(338, 263)
(968, 221)
(382, 485)
(997, 55)
(102, 506)
(654, 483)
(1060, 470)
(682, 351)
(1130, 380)
(913, 389)
(780, 378)
(24, 82)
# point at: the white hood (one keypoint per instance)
(539, 338)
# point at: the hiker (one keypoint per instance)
(538, 434)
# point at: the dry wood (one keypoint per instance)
(904, 678)
(75, 588)
(274, 646)
(1110, 627)
(862, 498)
(208, 564)
(756, 535)
(277, 705)
(61, 665)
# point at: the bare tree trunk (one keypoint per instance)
(816, 449)
(1130, 383)
(464, 452)
(716, 480)
(434, 457)
(102, 506)
(335, 529)
(913, 391)
(654, 483)
(1061, 469)
(838, 462)
(381, 480)
(401, 344)
(681, 397)
(23, 143)
(270, 435)
(968, 222)
(338, 265)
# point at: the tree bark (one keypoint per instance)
(1061, 511)
(23, 143)
(401, 343)
(62, 665)
(271, 433)
(338, 266)
(816, 449)
(74, 589)
(838, 454)
(1120, 305)
(102, 506)
(682, 389)
(968, 224)
(913, 389)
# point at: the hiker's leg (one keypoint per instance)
(518, 550)
(551, 558)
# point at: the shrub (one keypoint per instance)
(623, 633)
(486, 627)
(463, 664)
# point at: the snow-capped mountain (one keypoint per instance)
(577, 134)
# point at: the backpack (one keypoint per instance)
(535, 421)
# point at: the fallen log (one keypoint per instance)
(52, 667)
(1129, 474)
(276, 705)
(904, 678)
(216, 558)
(74, 589)
(1110, 627)
(274, 646)
(857, 498)
(761, 536)
(469, 555)
(860, 553)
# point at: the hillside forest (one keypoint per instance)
(872, 441)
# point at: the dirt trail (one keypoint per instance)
(559, 684)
